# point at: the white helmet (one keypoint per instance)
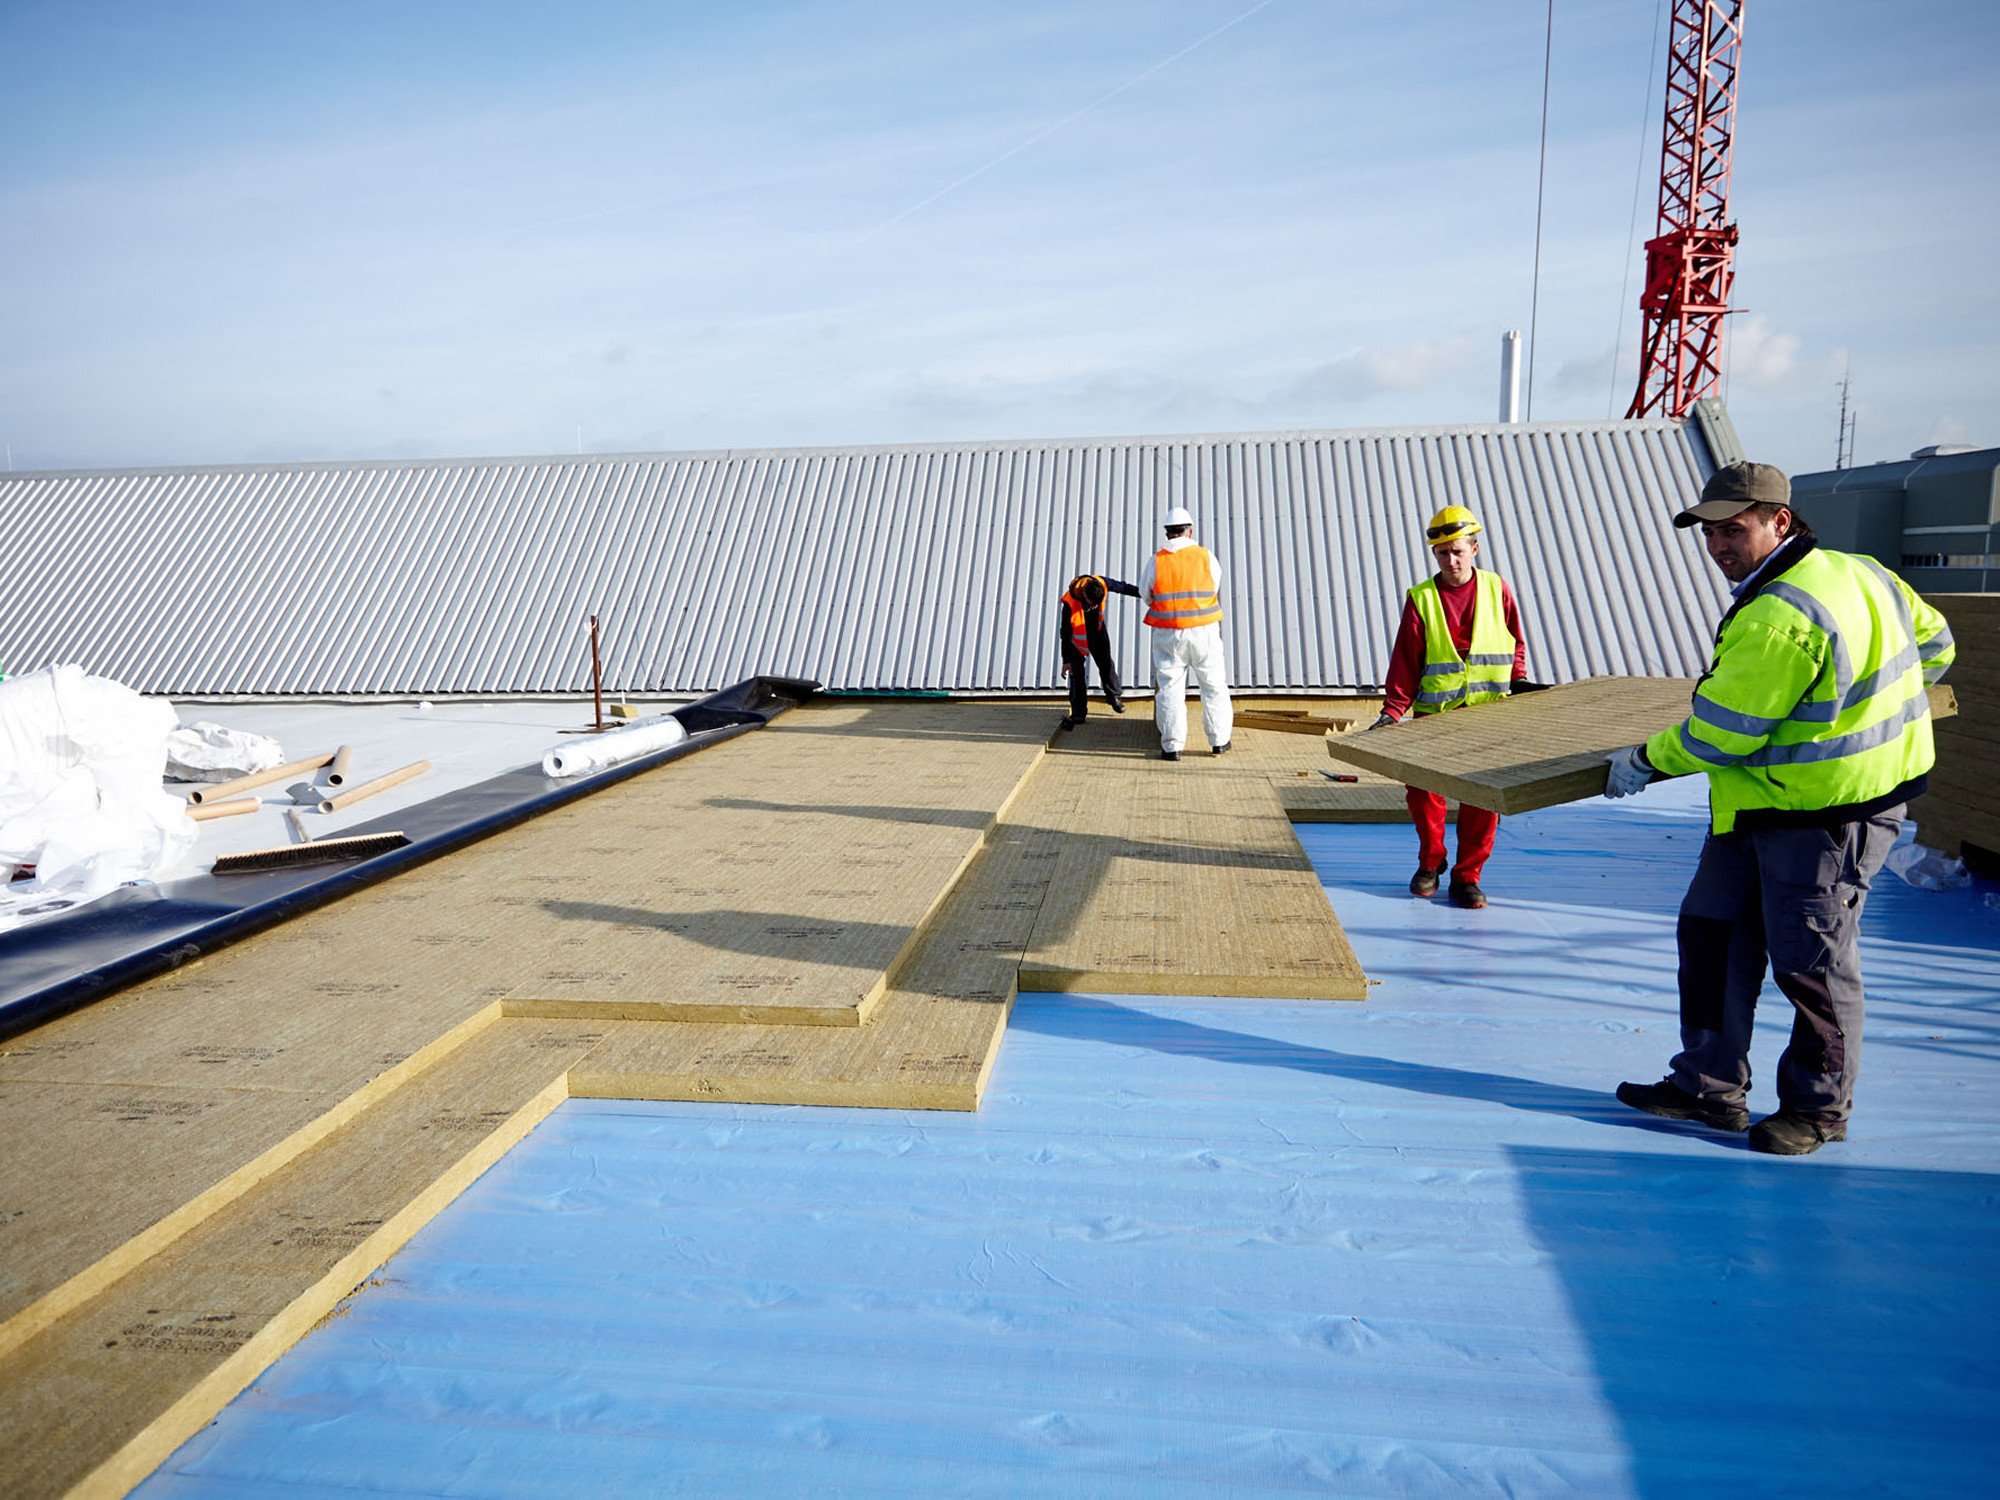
(1179, 516)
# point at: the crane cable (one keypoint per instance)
(1541, 181)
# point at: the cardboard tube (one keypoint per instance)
(258, 778)
(369, 789)
(209, 810)
(336, 771)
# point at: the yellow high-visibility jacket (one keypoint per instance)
(1813, 709)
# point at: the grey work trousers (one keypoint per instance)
(1792, 896)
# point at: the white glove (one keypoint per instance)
(1630, 772)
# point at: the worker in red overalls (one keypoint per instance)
(1459, 643)
(1080, 636)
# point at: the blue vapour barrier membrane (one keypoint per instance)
(1211, 1246)
(58, 964)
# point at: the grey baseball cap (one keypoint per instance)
(1735, 487)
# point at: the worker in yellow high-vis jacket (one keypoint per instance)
(1813, 728)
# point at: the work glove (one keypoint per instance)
(1630, 771)
(1381, 719)
(1523, 685)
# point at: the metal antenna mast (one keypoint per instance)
(1688, 262)
(1843, 446)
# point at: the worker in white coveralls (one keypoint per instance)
(1813, 728)
(1182, 589)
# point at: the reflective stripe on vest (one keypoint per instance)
(1815, 698)
(1184, 593)
(1486, 671)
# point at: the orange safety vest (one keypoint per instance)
(1078, 597)
(1184, 593)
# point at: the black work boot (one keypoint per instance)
(1788, 1133)
(1466, 893)
(1425, 882)
(1670, 1101)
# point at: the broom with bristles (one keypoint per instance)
(308, 851)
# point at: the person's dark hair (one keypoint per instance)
(1769, 510)
(1179, 530)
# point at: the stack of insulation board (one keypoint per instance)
(1963, 805)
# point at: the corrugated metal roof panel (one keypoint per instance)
(903, 568)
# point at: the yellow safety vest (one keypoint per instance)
(1486, 671)
(1184, 594)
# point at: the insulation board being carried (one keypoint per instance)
(1536, 749)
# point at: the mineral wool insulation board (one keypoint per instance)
(1534, 750)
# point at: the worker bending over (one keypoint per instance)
(1080, 635)
(1813, 728)
(1459, 643)
(1182, 587)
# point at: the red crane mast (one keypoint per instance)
(1688, 262)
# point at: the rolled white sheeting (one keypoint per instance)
(615, 747)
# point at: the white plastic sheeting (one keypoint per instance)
(80, 798)
(207, 751)
(600, 752)
(1213, 1247)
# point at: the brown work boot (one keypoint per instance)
(1670, 1101)
(1788, 1133)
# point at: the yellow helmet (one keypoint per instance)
(1449, 524)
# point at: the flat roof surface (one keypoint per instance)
(1198, 1246)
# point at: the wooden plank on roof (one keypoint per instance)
(1308, 796)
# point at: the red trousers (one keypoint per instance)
(1476, 828)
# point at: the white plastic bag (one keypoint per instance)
(205, 751)
(1926, 868)
(80, 797)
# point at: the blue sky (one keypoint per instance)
(245, 232)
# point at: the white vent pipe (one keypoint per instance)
(1510, 375)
